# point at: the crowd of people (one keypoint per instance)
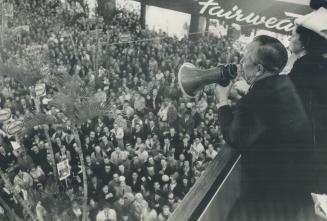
(143, 162)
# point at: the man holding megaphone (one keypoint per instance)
(268, 125)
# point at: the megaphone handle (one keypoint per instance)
(225, 73)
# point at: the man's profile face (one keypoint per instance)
(249, 66)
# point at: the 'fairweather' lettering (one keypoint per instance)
(213, 8)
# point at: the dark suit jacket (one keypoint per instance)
(174, 140)
(177, 190)
(269, 126)
(172, 117)
(152, 131)
(95, 191)
(309, 75)
(136, 187)
(187, 125)
(154, 104)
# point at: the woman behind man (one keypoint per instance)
(309, 75)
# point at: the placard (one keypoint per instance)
(14, 127)
(22, 28)
(125, 37)
(34, 49)
(40, 90)
(8, 9)
(63, 169)
(5, 114)
(15, 145)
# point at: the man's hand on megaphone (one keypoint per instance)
(242, 87)
(222, 93)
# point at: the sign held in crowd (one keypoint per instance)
(63, 169)
(125, 37)
(8, 9)
(40, 90)
(5, 114)
(20, 29)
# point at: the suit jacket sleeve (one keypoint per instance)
(241, 127)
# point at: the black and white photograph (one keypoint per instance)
(163, 110)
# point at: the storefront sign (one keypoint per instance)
(214, 9)
(273, 15)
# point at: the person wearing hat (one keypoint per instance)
(309, 75)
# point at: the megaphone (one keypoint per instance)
(192, 79)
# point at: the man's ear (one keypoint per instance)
(260, 69)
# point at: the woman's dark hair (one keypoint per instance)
(315, 4)
(312, 42)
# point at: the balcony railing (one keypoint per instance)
(220, 184)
